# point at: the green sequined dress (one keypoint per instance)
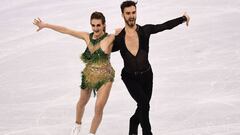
(98, 70)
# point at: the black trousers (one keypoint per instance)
(139, 85)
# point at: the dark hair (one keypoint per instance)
(128, 3)
(98, 15)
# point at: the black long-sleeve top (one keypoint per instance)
(140, 62)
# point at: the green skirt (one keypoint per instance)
(95, 75)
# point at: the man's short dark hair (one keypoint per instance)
(128, 3)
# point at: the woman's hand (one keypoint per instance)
(39, 23)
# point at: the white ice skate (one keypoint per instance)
(76, 129)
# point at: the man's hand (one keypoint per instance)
(39, 23)
(188, 18)
(117, 31)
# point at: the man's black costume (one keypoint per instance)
(137, 73)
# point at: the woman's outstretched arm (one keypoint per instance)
(40, 24)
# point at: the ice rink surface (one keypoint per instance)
(196, 68)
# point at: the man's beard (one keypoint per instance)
(130, 22)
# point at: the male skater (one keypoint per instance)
(133, 43)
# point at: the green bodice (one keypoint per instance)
(98, 55)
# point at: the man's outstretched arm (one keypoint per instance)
(152, 29)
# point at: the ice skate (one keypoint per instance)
(76, 129)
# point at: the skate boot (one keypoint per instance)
(76, 129)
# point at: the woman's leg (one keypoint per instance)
(83, 100)
(102, 97)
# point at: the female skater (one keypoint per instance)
(98, 74)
